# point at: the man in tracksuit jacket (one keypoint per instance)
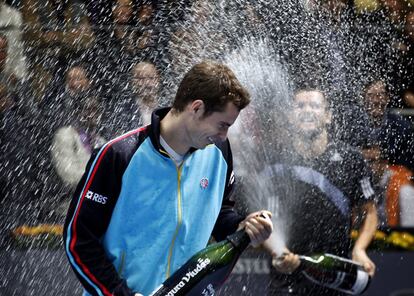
(152, 197)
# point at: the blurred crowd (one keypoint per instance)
(75, 73)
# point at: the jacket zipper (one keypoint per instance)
(179, 222)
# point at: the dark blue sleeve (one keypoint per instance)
(228, 219)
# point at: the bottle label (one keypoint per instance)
(338, 281)
(201, 264)
(360, 283)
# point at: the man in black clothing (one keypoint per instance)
(383, 132)
(318, 183)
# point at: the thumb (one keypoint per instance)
(369, 268)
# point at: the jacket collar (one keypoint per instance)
(155, 130)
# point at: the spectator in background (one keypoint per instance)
(77, 80)
(388, 145)
(148, 41)
(62, 103)
(73, 143)
(145, 87)
(57, 31)
(59, 108)
(135, 38)
(408, 96)
(133, 107)
(11, 25)
(124, 27)
(72, 147)
(390, 133)
(395, 189)
(134, 34)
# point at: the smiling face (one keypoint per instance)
(213, 128)
(310, 114)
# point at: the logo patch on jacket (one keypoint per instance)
(96, 197)
(204, 183)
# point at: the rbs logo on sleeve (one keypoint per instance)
(96, 197)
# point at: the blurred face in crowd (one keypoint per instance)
(408, 97)
(3, 52)
(145, 82)
(122, 12)
(77, 80)
(376, 99)
(145, 14)
(310, 115)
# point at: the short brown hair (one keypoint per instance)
(213, 83)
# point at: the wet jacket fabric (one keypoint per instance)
(136, 217)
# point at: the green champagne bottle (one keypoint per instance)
(207, 270)
(335, 272)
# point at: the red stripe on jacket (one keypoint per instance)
(73, 242)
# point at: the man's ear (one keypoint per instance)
(197, 107)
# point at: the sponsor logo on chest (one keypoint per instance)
(204, 183)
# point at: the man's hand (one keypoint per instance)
(360, 256)
(286, 263)
(258, 226)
